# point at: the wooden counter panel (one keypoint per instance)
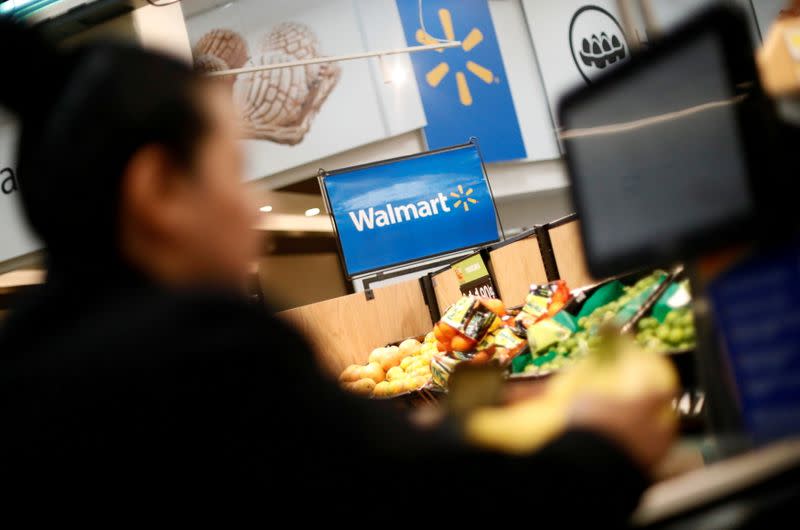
(516, 266)
(447, 289)
(568, 250)
(345, 330)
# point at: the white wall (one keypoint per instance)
(507, 179)
(159, 28)
(15, 237)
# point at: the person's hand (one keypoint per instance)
(642, 427)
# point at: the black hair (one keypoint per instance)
(83, 114)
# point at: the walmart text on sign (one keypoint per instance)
(412, 208)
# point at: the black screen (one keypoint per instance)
(656, 157)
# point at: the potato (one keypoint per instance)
(377, 355)
(362, 387)
(396, 387)
(372, 371)
(407, 361)
(410, 347)
(429, 348)
(392, 358)
(414, 383)
(421, 372)
(395, 373)
(351, 374)
(381, 389)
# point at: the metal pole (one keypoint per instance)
(628, 26)
(333, 59)
(650, 25)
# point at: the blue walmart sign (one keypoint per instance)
(411, 208)
(464, 90)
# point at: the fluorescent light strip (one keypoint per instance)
(24, 8)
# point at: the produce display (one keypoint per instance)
(675, 333)
(562, 339)
(474, 330)
(552, 331)
(618, 368)
(393, 370)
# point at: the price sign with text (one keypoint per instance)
(474, 278)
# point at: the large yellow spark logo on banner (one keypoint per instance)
(440, 71)
(464, 89)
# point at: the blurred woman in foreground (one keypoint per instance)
(139, 366)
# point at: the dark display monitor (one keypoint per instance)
(663, 151)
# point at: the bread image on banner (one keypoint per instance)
(275, 105)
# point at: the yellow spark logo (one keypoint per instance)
(440, 71)
(463, 198)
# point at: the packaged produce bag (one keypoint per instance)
(502, 345)
(546, 333)
(442, 367)
(467, 322)
(543, 301)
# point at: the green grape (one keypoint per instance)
(662, 332)
(582, 322)
(676, 336)
(654, 345)
(672, 317)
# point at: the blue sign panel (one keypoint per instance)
(411, 208)
(757, 309)
(464, 90)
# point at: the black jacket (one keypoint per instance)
(118, 384)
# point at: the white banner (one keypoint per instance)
(295, 116)
(575, 40)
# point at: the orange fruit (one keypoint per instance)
(442, 347)
(480, 358)
(437, 333)
(462, 344)
(447, 331)
(494, 305)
